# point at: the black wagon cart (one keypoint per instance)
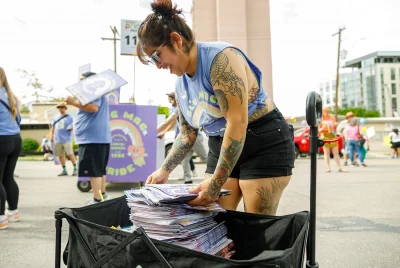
(260, 240)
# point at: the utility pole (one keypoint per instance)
(337, 71)
(115, 32)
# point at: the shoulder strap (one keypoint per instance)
(18, 118)
(62, 117)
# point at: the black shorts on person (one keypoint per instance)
(395, 145)
(93, 159)
(268, 151)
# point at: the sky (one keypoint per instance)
(54, 38)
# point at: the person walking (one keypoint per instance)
(395, 142)
(341, 131)
(10, 144)
(353, 133)
(62, 137)
(327, 130)
(93, 134)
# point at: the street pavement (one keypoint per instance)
(358, 213)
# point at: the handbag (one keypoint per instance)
(361, 140)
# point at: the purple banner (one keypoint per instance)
(133, 149)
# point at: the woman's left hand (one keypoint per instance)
(208, 192)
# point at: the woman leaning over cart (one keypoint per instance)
(10, 144)
(251, 148)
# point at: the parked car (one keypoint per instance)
(169, 139)
(302, 142)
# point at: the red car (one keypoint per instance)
(302, 142)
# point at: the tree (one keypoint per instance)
(25, 109)
(359, 112)
(163, 110)
(40, 93)
(56, 99)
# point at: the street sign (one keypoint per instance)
(129, 36)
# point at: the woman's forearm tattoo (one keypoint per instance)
(182, 145)
(227, 160)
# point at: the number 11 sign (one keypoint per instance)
(129, 36)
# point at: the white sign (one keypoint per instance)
(370, 132)
(129, 36)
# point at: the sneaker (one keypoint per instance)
(364, 165)
(352, 165)
(345, 163)
(75, 173)
(14, 216)
(356, 164)
(64, 173)
(194, 173)
(4, 223)
(91, 201)
(188, 181)
(106, 197)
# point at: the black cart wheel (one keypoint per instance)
(84, 186)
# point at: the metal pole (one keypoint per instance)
(337, 72)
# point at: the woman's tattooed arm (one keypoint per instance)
(182, 145)
(229, 81)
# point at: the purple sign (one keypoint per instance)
(133, 149)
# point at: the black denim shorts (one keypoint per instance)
(93, 159)
(268, 151)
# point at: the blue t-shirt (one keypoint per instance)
(196, 96)
(93, 127)
(8, 125)
(62, 129)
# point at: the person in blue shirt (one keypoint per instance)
(93, 134)
(62, 137)
(219, 90)
(10, 144)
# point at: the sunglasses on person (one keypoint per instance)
(154, 57)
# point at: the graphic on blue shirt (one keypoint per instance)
(93, 127)
(196, 96)
(8, 125)
(62, 129)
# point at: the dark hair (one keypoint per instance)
(395, 130)
(155, 30)
(87, 74)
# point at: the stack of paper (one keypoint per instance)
(160, 210)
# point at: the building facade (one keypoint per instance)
(374, 83)
(243, 23)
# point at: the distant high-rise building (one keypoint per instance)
(372, 81)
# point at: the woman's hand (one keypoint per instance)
(69, 100)
(208, 192)
(159, 176)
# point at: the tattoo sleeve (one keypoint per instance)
(227, 160)
(229, 81)
(182, 145)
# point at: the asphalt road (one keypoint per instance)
(358, 213)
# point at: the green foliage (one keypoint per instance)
(29, 144)
(359, 112)
(25, 109)
(163, 110)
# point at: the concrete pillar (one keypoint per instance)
(243, 23)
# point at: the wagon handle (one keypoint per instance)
(313, 117)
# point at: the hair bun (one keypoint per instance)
(165, 9)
